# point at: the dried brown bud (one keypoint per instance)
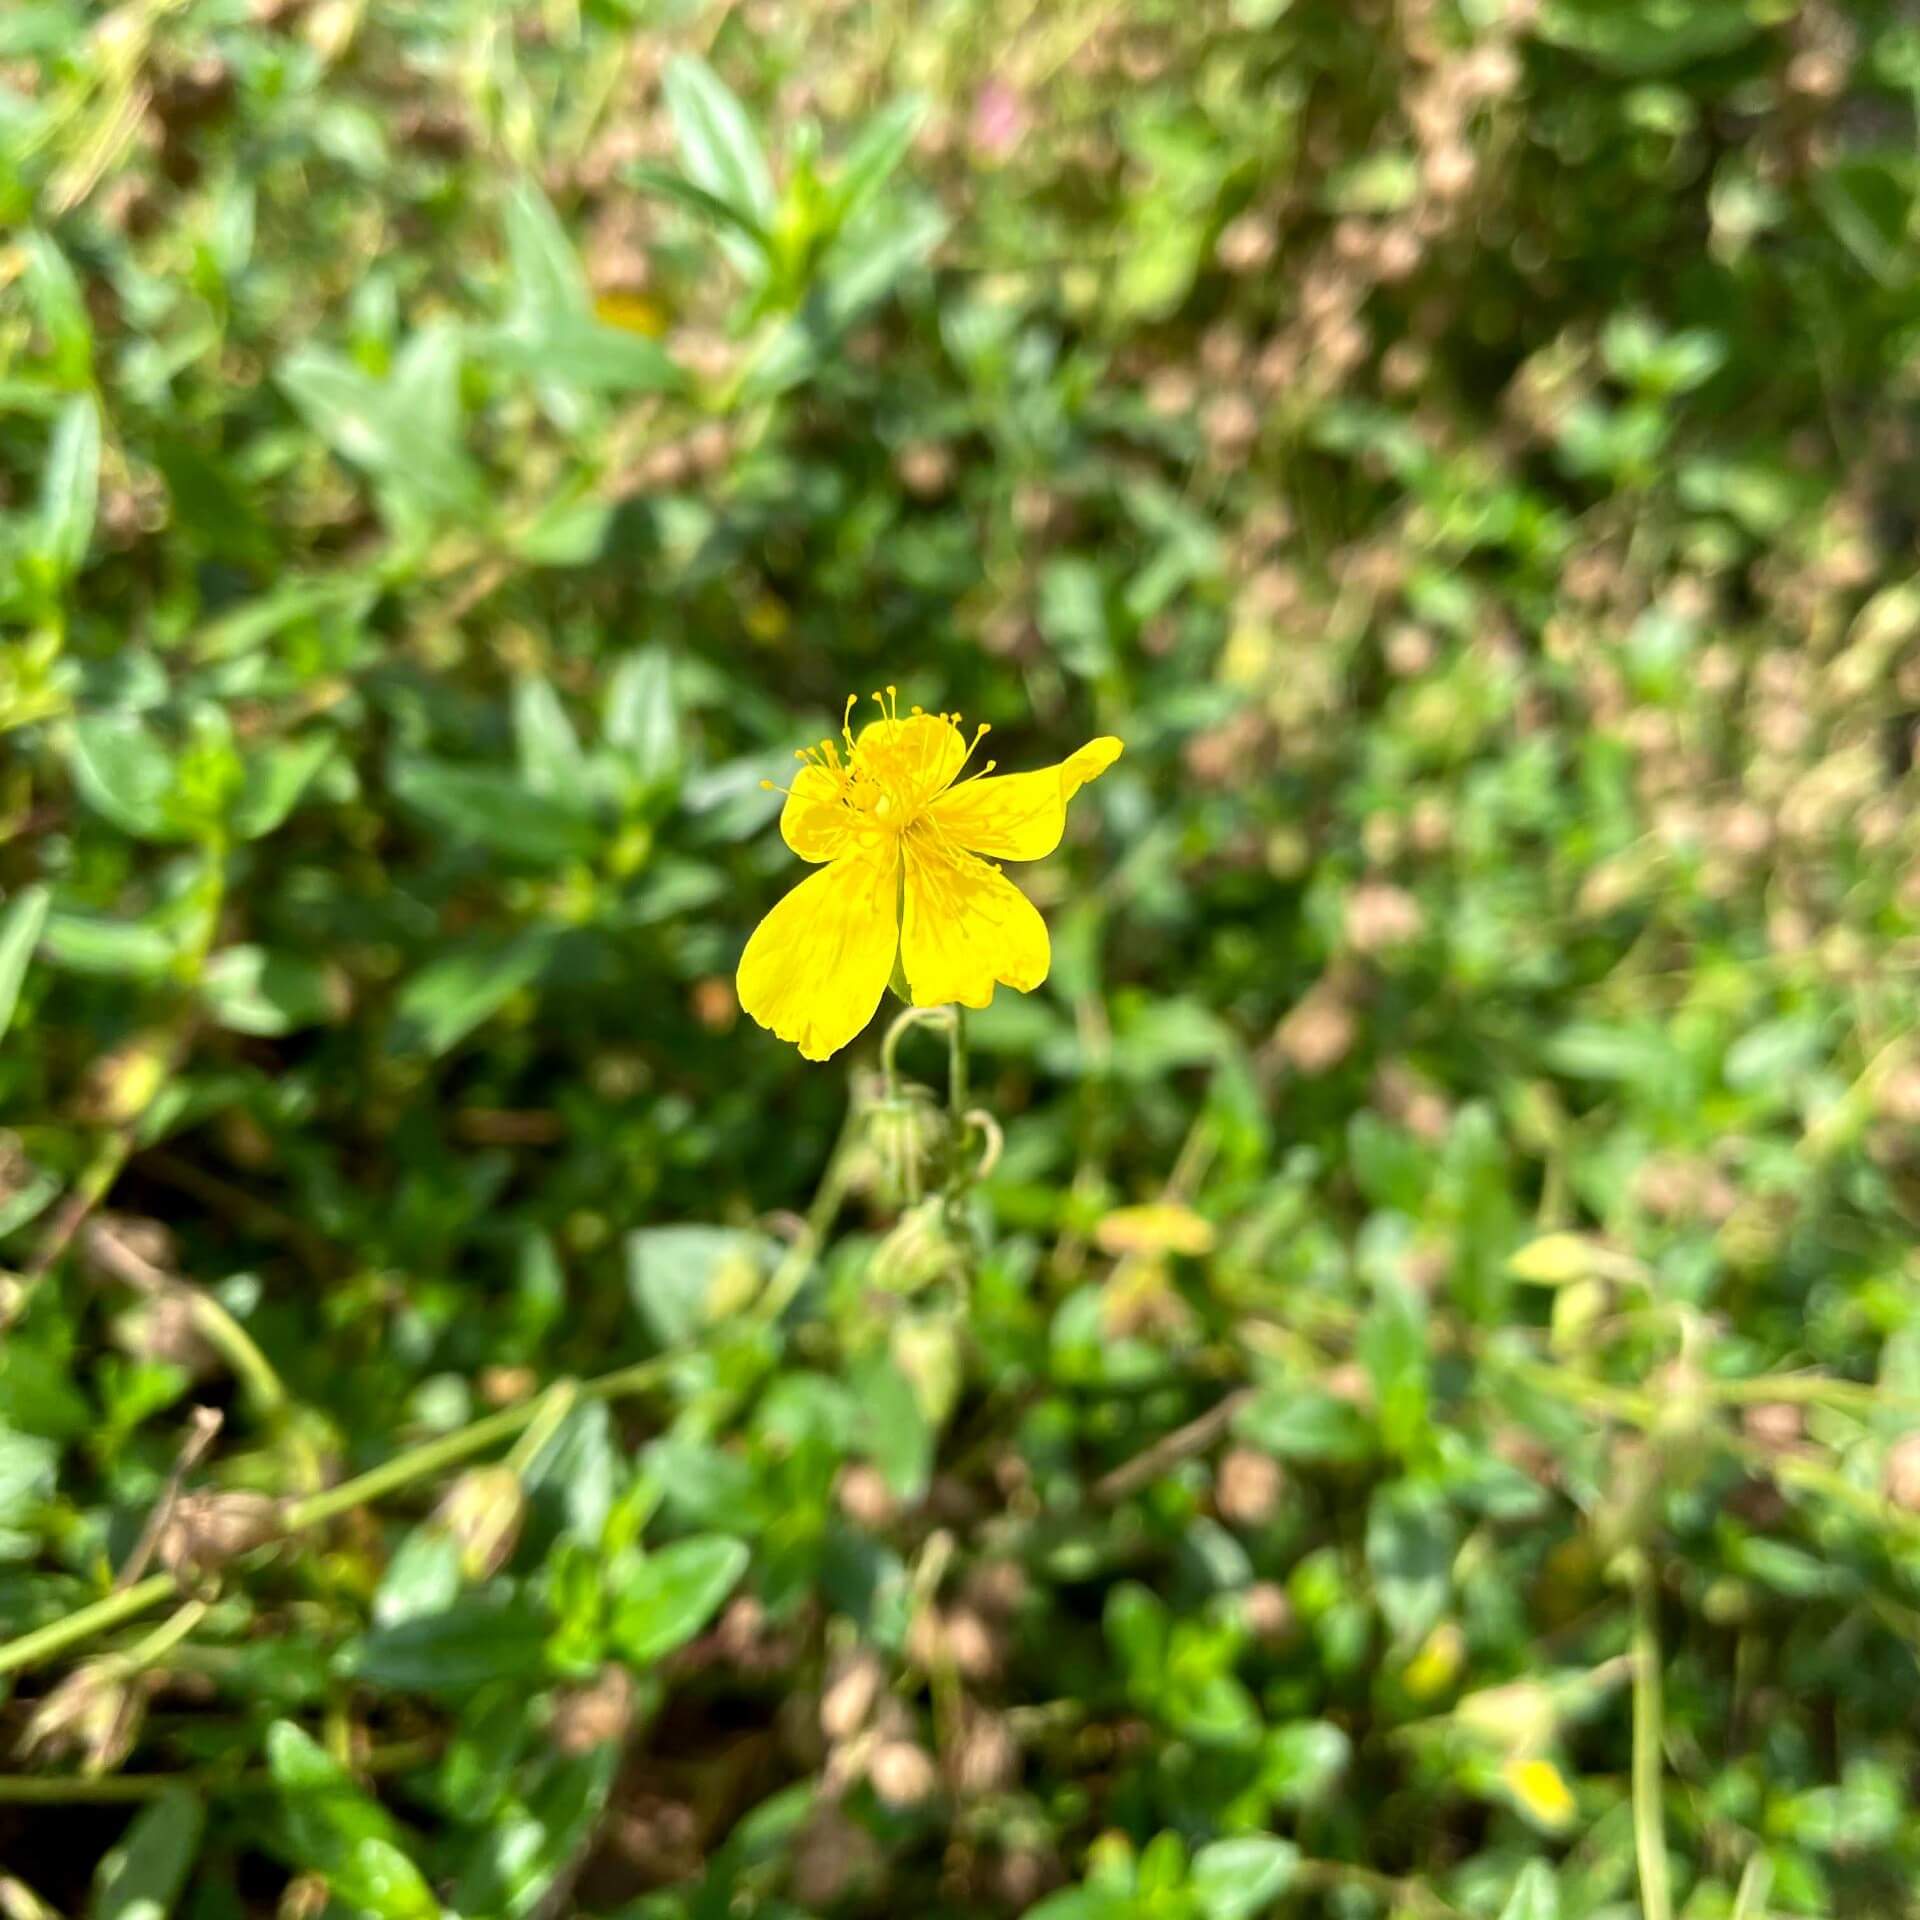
(94, 1713)
(996, 1587)
(1267, 1611)
(1380, 916)
(206, 1530)
(482, 1514)
(985, 1756)
(1903, 1472)
(1246, 243)
(164, 1328)
(925, 469)
(864, 1496)
(850, 1696)
(832, 1858)
(598, 1714)
(903, 1774)
(1319, 1033)
(959, 1639)
(1776, 1425)
(1248, 1487)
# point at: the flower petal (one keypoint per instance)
(1021, 816)
(966, 927)
(814, 822)
(818, 963)
(915, 757)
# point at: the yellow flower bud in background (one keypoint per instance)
(482, 1515)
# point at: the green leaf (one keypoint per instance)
(566, 533)
(142, 1877)
(1868, 201)
(1535, 1895)
(578, 351)
(274, 780)
(548, 282)
(514, 1863)
(20, 924)
(718, 146)
(1392, 1345)
(422, 1578)
(125, 774)
(672, 1594)
(872, 255)
(571, 1483)
(679, 189)
(874, 154)
(70, 486)
(682, 1276)
(329, 1827)
(1300, 1423)
(389, 431)
(1085, 1903)
(446, 1000)
(1234, 1879)
(476, 1640)
(29, 1472)
(1303, 1760)
(258, 990)
(643, 717)
(91, 943)
(1647, 37)
(498, 810)
(548, 748)
(1411, 1539)
(60, 305)
(1137, 1628)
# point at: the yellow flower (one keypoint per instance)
(1541, 1792)
(898, 836)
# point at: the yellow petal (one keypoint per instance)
(1020, 816)
(966, 926)
(1157, 1227)
(914, 758)
(818, 963)
(814, 823)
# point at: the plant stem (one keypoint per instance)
(165, 1637)
(912, 1017)
(402, 1470)
(555, 1404)
(791, 1274)
(1415, 1895)
(119, 1788)
(31, 1648)
(957, 1070)
(1649, 1738)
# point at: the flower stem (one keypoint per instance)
(1649, 1735)
(16, 1789)
(417, 1463)
(957, 1069)
(32, 1648)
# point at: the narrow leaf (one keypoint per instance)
(20, 926)
(142, 1877)
(70, 486)
(674, 1593)
(718, 146)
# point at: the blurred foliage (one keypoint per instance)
(1421, 1417)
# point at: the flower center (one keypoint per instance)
(888, 775)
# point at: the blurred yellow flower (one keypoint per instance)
(1540, 1791)
(899, 836)
(1156, 1227)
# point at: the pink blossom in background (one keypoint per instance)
(1000, 120)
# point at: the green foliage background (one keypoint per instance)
(452, 452)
